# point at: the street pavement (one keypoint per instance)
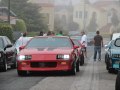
(92, 76)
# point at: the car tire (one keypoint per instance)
(117, 85)
(77, 66)
(13, 66)
(82, 60)
(73, 71)
(111, 70)
(21, 73)
(5, 66)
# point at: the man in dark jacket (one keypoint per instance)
(98, 43)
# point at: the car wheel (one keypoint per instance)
(22, 73)
(14, 65)
(73, 71)
(5, 66)
(82, 60)
(117, 85)
(111, 70)
(77, 66)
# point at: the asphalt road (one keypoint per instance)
(92, 76)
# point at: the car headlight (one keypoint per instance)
(61, 56)
(24, 57)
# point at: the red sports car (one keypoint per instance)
(49, 53)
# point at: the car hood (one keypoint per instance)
(33, 51)
(115, 51)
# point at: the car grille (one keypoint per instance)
(43, 64)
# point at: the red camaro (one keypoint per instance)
(48, 54)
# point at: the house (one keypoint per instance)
(4, 15)
(47, 11)
(99, 11)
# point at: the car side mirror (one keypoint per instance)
(21, 47)
(8, 46)
(75, 46)
(106, 46)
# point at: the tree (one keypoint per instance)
(29, 12)
(92, 27)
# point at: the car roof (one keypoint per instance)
(52, 36)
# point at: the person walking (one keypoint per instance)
(84, 42)
(98, 43)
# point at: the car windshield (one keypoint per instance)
(117, 42)
(49, 42)
(1, 43)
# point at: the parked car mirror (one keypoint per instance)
(8, 46)
(21, 47)
(106, 46)
(75, 46)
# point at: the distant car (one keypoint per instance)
(90, 38)
(113, 56)
(78, 37)
(7, 54)
(20, 42)
(80, 52)
(50, 53)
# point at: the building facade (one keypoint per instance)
(47, 11)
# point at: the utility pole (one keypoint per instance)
(9, 11)
(84, 19)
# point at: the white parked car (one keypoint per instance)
(20, 42)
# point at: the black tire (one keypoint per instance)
(4, 68)
(22, 73)
(82, 60)
(111, 70)
(73, 71)
(77, 66)
(117, 85)
(13, 66)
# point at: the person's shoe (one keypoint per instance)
(94, 60)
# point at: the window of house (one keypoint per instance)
(80, 14)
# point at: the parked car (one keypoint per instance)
(113, 56)
(78, 37)
(80, 51)
(20, 42)
(90, 38)
(48, 53)
(7, 54)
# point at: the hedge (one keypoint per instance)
(6, 30)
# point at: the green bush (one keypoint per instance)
(20, 26)
(6, 30)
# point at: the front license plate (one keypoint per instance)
(116, 66)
